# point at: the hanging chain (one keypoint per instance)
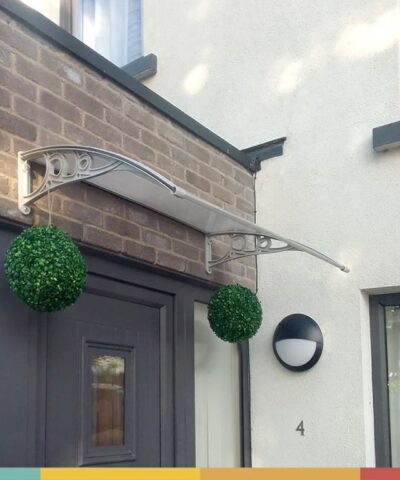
(50, 201)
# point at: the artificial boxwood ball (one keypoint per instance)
(234, 313)
(45, 269)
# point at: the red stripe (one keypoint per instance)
(380, 474)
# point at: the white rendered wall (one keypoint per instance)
(323, 74)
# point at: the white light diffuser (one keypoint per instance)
(296, 351)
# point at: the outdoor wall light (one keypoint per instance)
(298, 342)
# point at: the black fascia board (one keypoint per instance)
(46, 28)
(386, 137)
(263, 151)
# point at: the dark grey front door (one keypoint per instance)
(109, 378)
(108, 381)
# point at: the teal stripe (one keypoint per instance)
(19, 473)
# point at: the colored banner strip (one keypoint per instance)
(199, 474)
(119, 474)
(19, 473)
(281, 474)
(380, 474)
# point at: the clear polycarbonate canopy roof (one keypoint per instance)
(141, 184)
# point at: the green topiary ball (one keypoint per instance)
(234, 313)
(45, 268)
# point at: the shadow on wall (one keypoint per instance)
(357, 40)
(245, 58)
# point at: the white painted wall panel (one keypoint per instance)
(217, 396)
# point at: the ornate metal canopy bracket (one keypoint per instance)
(68, 164)
(246, 244)
(61, 167)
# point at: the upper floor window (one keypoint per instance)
(112, 28)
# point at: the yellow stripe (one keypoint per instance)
(197, 474)
(120, 474)
(281, 474)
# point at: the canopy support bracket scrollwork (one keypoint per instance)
(244, 244)
(60, 168)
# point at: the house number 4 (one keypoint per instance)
(300, 428)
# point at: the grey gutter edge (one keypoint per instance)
(68, 42)
(263, 151)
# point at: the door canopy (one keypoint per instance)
(130, 179)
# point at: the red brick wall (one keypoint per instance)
(49, 97)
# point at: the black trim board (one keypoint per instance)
(142, 67)
(245, 403)
(72, 45)
(263, 151)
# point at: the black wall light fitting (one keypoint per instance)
(298, 342)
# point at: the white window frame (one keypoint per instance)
(71, 19)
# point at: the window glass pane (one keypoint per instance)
(217, 396)
(48, 8)
(392, 316)
(112, 28)
(108, 383)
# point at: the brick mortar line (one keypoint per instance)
(163, 121)
(37, 126)
(174, 254)
(13, 49)
(34, 65)
(200, 142)
(17, 96)
(141, 242)
(13, 71)
(46, 46)
(38, 104)
(107, 125)
(80, 127)
(11, 111)
(106, 85)
(63, 93)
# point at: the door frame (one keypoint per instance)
(185, 290)
(377, 305)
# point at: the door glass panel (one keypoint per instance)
(108, 392)
(392, 316)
